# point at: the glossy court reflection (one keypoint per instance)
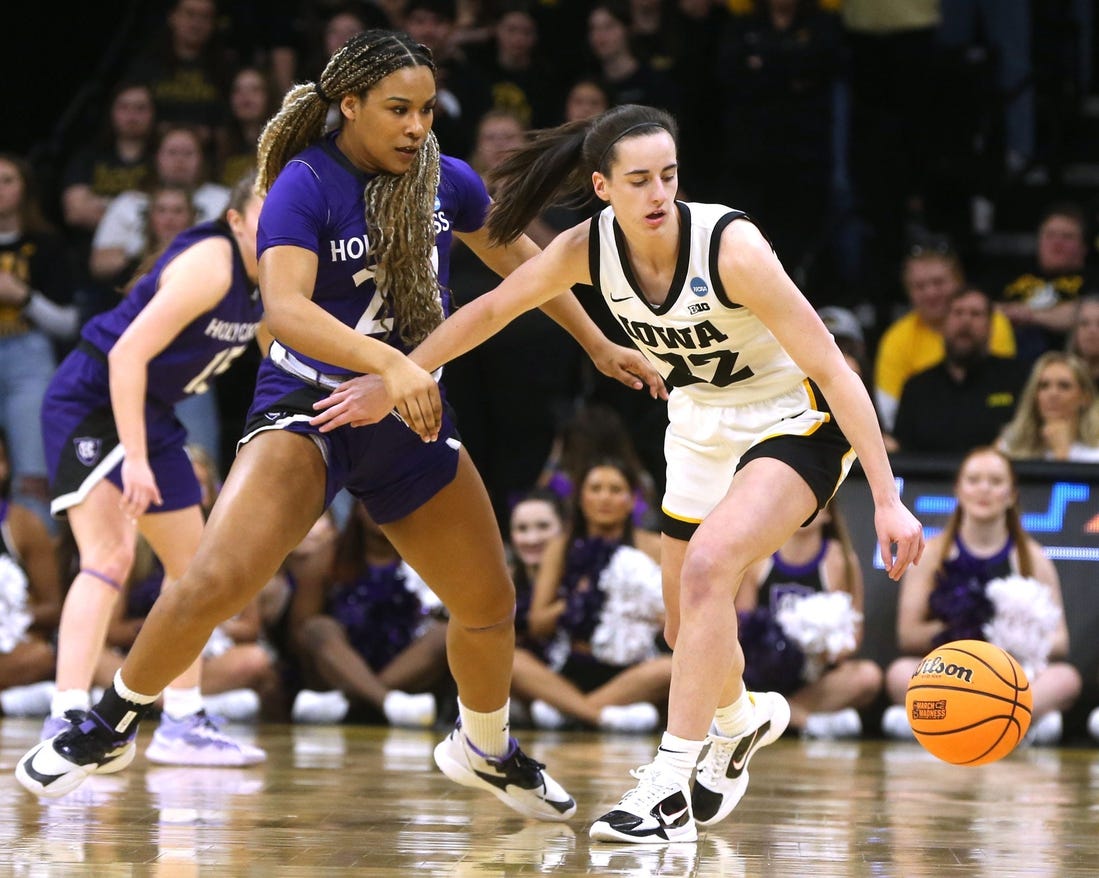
(367, 801)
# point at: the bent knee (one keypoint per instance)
(490, 619)
(316, 631)
(488, 608)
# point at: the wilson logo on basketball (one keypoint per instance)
(929, 709)
(935, 665)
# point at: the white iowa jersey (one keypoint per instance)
(715, 351)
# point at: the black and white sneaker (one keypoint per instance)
(515, 779)
(656, 811)
(87, 746)
(722, 777)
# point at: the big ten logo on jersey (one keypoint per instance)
(700, 288)
(438, 218)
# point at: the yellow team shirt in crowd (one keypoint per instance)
(910, 346)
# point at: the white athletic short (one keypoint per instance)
(706, 444)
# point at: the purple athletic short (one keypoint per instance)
(385, 465)
(81, 440)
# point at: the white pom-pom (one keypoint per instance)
(823, 625)
(633, 610)
(1025, 620)
(14, 618)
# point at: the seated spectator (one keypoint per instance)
(372, 636)
(519, 79)
(817, 670)
(186, 67)
(587, 97)
(171, 210)
(596, 431)
(977, 575)
(914, 342)
(30, 604)
(325, 30)
(598, 603)
(1041, 302)
(629, 79)
(1084, 340)
(464, 93)
(1057, 417)
(536, 519)
(120, 235)
(965, 400)
(118, 159)
(251, 104)
(37, 322)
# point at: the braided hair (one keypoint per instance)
(398, 207)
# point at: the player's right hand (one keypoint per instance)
(139, 488)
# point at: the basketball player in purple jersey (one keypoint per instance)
(116, 457)
(354, 242)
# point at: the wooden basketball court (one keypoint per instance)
(366, 801)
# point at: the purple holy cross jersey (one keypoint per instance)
(208, 345)
(316, 202)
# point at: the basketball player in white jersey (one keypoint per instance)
(765, 420)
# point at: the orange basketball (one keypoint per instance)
(969, 702)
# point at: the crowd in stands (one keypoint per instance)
(871, 141)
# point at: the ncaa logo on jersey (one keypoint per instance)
(699, 287)
(87, 449)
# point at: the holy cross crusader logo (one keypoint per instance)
(87, 449)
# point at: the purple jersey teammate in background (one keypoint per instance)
(117, 463)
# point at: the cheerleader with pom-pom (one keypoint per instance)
(984, 578)
(801, 625)
(597, 601)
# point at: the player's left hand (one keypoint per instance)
(896, 525)
(631, 368)
(358, 401)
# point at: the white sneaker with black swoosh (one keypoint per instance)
(656, 811)
(86, 746)
(514, 778)
(722, 776)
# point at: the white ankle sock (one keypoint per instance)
(488, 732)
(127, 693)
(678, 755)
(179, 703)
(734, 718)
(69, 699)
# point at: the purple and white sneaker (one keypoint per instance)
(197, 739)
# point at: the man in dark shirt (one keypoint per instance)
(966, 399)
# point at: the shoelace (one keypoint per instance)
(649, 789)
(523, 766)
(715, 764)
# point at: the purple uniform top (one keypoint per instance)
(316, 203)
(206, 346)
